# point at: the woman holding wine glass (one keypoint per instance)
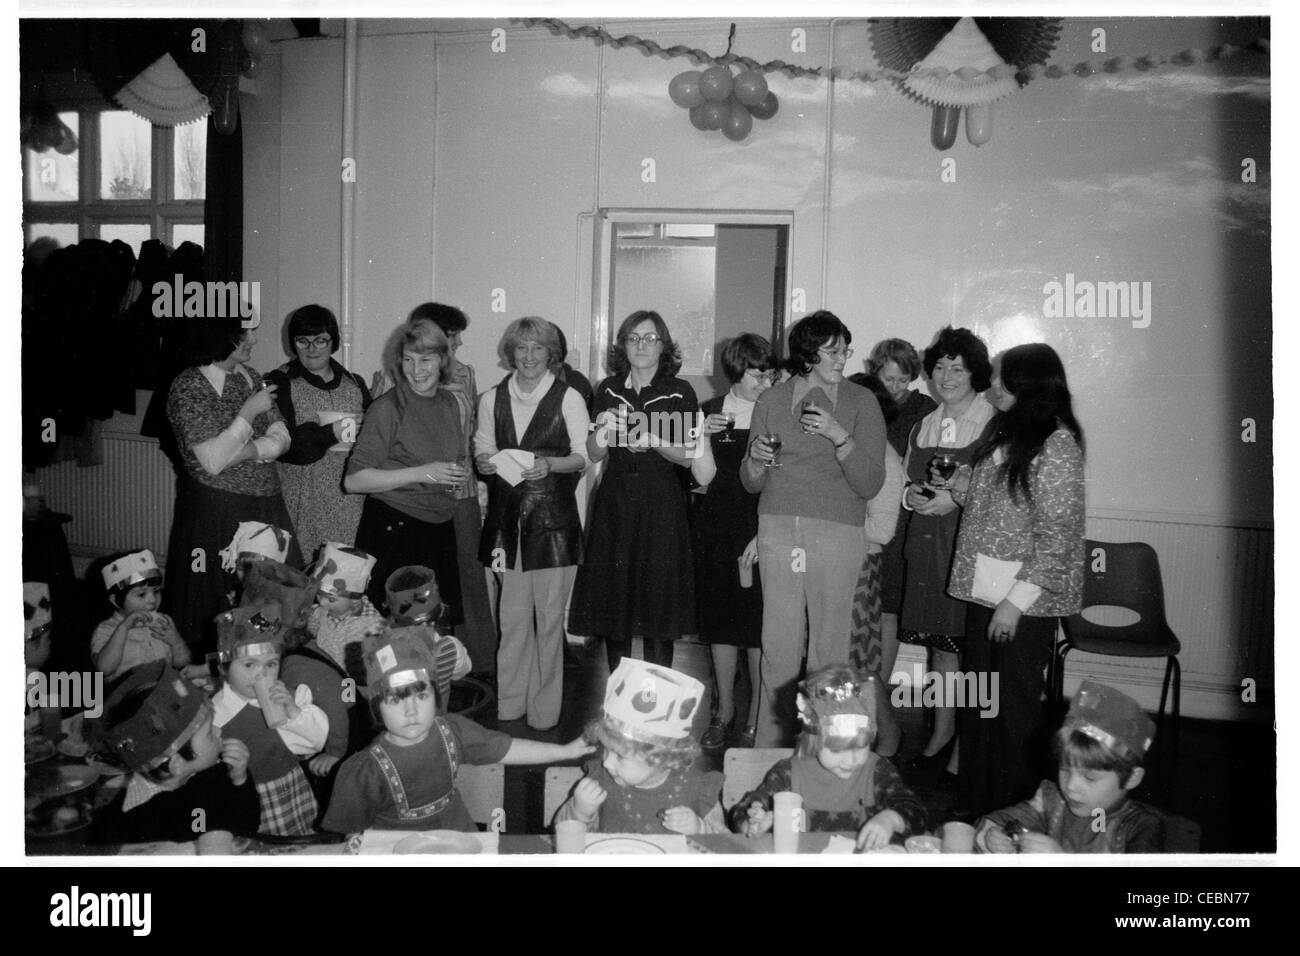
(724, 532)
(812, 504)
(958, 367)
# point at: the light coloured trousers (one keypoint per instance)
(530, 659)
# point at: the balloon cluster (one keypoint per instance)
(42, 129)
(979, 125)
(256, 42)
(720, 101)
(240, 51)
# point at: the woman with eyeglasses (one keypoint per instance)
(323, 405)
(637, 578)
(816, 457)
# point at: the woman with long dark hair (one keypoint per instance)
(637, 578)
(1019, 564)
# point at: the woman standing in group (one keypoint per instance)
(811, 509)
(409, 462)
(322, 404)
(724, 531)
(958, 367)
(1020, 562)
(637, 579)
(228, 432)
(532, 532)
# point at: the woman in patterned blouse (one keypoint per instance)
(1019, 562)
(228, 431)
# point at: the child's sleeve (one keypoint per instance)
(893, 794)
(778, 779)
(1147, 834)
(357, 797)
(477, 744)
(305, 735)
(1028, 813)
(708, 804)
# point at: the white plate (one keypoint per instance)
(621, 846)
(439, 842)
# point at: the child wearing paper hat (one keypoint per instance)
(1100, 749)
(279, 726)
(343, 613)
(644, 781)
(414, 601)
(136, 632)
(406, 779)
(161, 726)
(843, 784)
(254, 541)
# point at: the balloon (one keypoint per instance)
(685, 89)
(943, 126)
(738, 124)
(766, 109)
(715, 83)
(697, 117)
(250, 65)
(749, 88)
(67, 145)
(256, 40)
(225, 106)
(979, 124)
(715, 114)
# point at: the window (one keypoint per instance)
(126, 180)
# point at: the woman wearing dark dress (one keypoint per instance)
(322, 404)
(637, 579)
(724, 533)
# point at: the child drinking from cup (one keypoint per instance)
(278, 726)
(843, 784)
(161, 726)
(406, 779)
(136, 632)
(1086, 809)
(644, 780)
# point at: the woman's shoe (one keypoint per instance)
(715, 738)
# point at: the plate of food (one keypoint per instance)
(439, 842)
(623, 846)
(62, 781)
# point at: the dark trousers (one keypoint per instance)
(654, 652)
(397, 540)
(1003, 757)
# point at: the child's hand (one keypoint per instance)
(280, 694)
(234, 754)
(322, 764)
(578, 748)
(681, 820)
(588, 795)
(879, 830)
(138, 619)
(1039, 843)
(996, 840)
(758, 821)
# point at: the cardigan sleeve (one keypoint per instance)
(1057, 516)
(864, 465)
(308, 442)
(777, 780)
(893, 794)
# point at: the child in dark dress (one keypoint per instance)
(843, 784)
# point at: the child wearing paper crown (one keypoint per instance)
(843, 784)
(161, 727)
(406, 779)
(644, 780)
(343, 613)
(414, 601)
(278, 726)
(1086, 809)
(253, 541)
(136, 632)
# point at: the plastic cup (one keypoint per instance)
(923, 844)
(274, 713)
(570, 836)
(787, 821)
(958, 837)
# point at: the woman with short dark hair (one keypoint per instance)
(323, 405)
(228, 432)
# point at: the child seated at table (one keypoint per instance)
(161, 726)
(343, 613)
(406, 779)
(644, 780)
(1086, 809)
(136, 632)
(843, 784)
(280, 727)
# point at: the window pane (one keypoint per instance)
(133, 234)
(51, 176)
(126, 158)
(187, 232)
(189, 156)
(65, 232)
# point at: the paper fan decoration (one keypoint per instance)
(164, 95)
(967, 63)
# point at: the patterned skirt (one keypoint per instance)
(288, 805)
(866, 651)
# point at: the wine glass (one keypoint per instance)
(774, 442)
(727, 436)
(942, 467)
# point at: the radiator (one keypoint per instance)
(123, 504)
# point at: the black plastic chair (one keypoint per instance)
(1130, 579)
